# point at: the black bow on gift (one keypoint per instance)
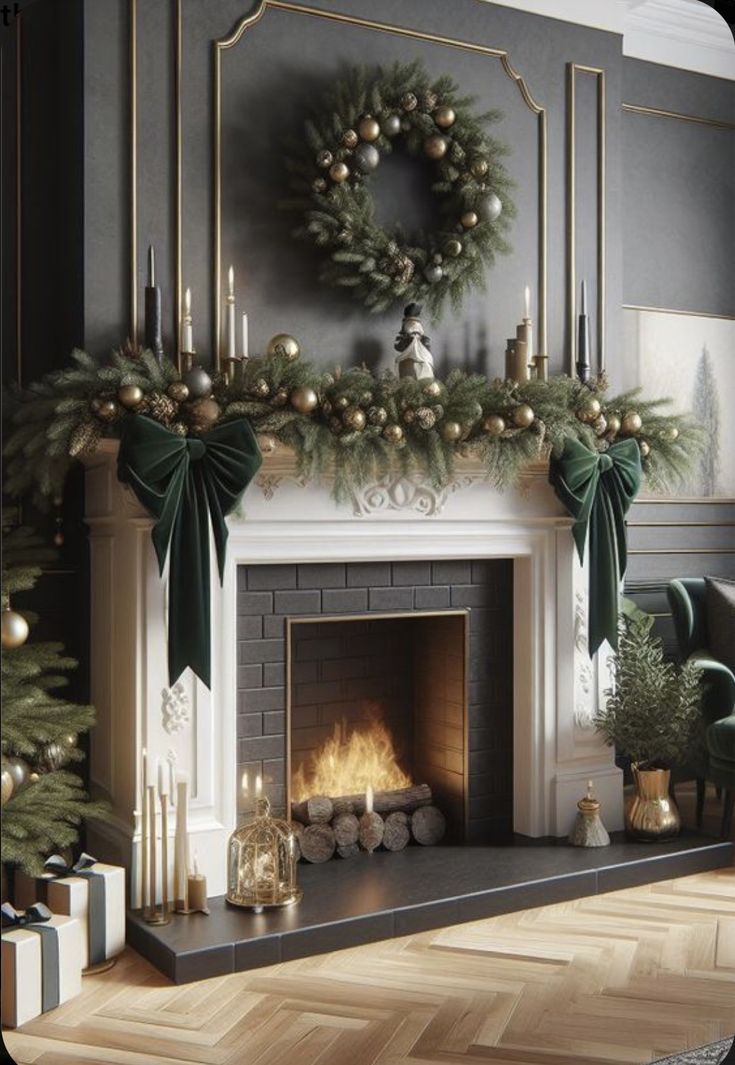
(35, 914)
(185, 482)
(57, 865)
(35, 919)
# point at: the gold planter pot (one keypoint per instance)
(651, 815)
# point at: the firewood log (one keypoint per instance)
(372, 827)
(317, 810)
(384, 802)
(317, 843)
(397, 833)
(350, 850)
(428, 825)
(298, 831)
(346, 829)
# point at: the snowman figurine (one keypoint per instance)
(414, 358)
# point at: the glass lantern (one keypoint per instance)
(261, 862)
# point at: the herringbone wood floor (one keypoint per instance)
(624, 977)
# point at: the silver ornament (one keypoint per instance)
(489, 208)
(391, 125)
(18, 770)
(366, 157)
(433, 273)
(198, 381)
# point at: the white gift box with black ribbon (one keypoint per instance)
(89, 890)
(41, 962)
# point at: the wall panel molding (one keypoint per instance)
(660, 112)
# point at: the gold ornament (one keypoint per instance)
(494, 425)
(349, 138)
(261, 388)
(377, 415)
(393, 434)
(130, 395)
(632, 423)
(368, 128)
(453, 248)
(426, 418)
(54, 755)
(590, 410)
(354, 418)
(304, 399)
(83, 439)
(600, 425)
(435, 146)
(14, 629)
(319, 184)
(613, 424)
(280, 399)
(444, 117)
(478, 168)
(409, 101)
(7, 784)
(671, 433)
(178, 392)
(433, 388)
(33, 778)
(324, 159)
(469, 220)
(523, 416)
(284, 345)
(203, 414)
(339, 172)
(409, 416)
(451, 431)
(179, 428)
(108, 410)
(645, 449)
(341, 403)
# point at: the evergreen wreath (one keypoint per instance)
(351, 425)
(370, 114)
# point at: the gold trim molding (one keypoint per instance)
(599, 74)
(660, 112)
(225, 43)
(672, 310)
(19, 198)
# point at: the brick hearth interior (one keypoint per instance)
(454, 732)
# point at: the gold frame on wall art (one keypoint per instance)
(572, 70)
(225, 43)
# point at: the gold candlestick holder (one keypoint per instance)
(541, 362)
(154, 915)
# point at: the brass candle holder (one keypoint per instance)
(154, 915)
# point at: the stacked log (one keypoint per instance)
(341, 825)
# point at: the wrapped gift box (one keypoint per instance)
(91, 891)
(41, 963)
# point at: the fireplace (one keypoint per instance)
(330, 703)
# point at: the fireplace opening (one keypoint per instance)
(380, 704)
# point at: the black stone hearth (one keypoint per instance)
(383, 895)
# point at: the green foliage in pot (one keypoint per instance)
(651, 712)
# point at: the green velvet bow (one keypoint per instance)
(597, 488)
(183, 482)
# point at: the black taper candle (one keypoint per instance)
(153, 339)
(583, 340)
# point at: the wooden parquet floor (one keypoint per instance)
(625, 977)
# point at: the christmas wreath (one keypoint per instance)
(370, 114)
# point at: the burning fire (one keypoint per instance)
(348, 762)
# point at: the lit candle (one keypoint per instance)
(231, 354)
(245, 338)
(187, 331)
(258, 786)
(369, 799)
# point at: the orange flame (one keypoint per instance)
(348, 762)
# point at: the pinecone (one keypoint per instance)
(426, 417)
(84, 438)
(160, 407)
(429, 100)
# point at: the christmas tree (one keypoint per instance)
(43, 801)
(706, 410)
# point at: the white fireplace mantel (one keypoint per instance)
(556, 686)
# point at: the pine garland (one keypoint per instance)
(369, 114)
(358, 425)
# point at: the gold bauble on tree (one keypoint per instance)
(435, 146)
(350, 138)
(368, 128)
(339, 172)
(284, 345)
(469, 219)
(590, 410)
(304, 399)
(451, 431)
(261, 388)
(523, 416)
(632, 423)
(494, 425)
(18, 770)
(393, 434)
(433, 388)
(478, 168)
(108, 410)
(354, 418)
(178, 392)
(377, 415)
(14, 629)
(453, 247)
(613, 424)
(130, 395)
(444, 117)
(203, 414)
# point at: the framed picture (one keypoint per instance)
(690, 358)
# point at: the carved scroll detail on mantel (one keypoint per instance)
(584, 701)
(175, 712)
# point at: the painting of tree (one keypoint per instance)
(706, 410)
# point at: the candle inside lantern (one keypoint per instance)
(369, 799)
(258, 786)
(153, 339)
(245, 338)
(231, 342)
(187, 331)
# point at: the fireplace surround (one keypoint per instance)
(284, 522)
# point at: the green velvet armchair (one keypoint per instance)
(687, 599)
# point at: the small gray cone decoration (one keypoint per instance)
(589, 830)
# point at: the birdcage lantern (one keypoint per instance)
(261, 862)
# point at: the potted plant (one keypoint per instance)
(651, 713)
